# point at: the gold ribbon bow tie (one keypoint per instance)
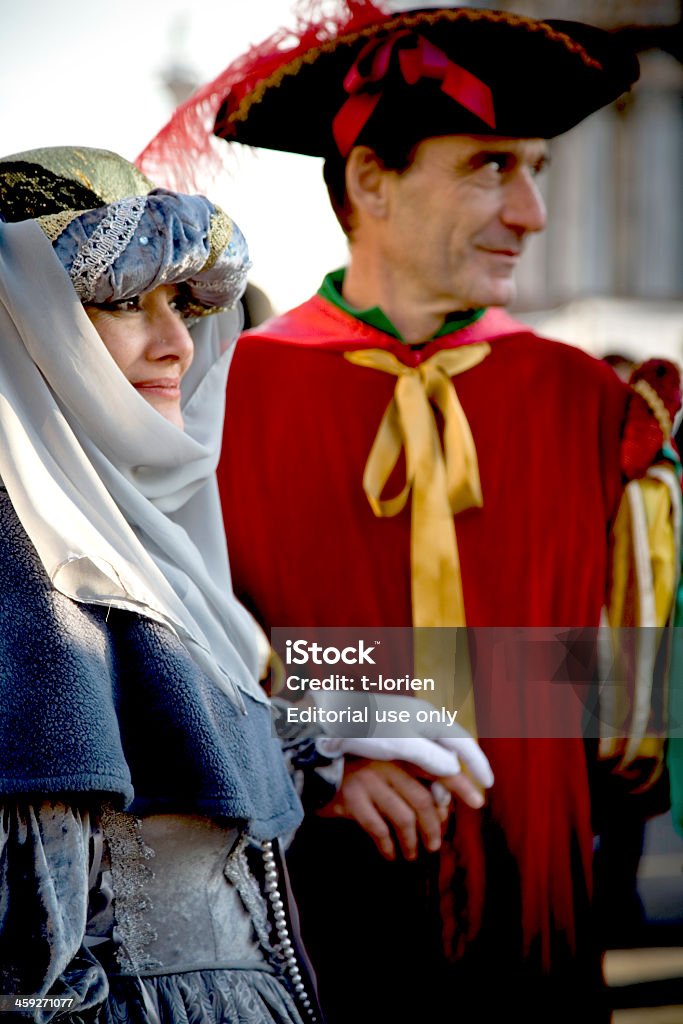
(443, 481)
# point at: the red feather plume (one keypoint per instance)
(185, 155)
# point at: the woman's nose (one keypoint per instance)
(170, 338)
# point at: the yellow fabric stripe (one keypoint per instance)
(643, 585)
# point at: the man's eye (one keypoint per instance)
(497, 161)
(541, 166)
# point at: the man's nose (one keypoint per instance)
(523, 209)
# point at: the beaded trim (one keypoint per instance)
(237, 872)
(284, 946)
(657, 407)
(407, 21)
(111, 237)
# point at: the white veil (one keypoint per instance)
(121, 506)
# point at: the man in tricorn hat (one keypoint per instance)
(433, 125)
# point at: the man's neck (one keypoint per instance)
(368, 285)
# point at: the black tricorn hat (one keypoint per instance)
(332, 84)
(432, 72)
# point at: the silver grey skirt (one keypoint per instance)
(191, 926)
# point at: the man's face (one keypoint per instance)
(458, 217)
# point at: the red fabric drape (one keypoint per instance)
(306, 549)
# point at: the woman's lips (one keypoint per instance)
(168, 387)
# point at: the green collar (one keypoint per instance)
(331, 289)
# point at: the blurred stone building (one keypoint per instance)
(614, 189)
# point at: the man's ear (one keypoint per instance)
(366, 183)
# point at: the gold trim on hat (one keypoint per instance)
(54, 223)
(220, 233)
(407, 21)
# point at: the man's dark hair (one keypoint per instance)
(393, 153)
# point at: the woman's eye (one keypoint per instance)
(131, 305)
(180, 304)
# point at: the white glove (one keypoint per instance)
(435, 757)
(437, 748)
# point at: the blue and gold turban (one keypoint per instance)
(117, 235)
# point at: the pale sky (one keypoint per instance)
(87, 72)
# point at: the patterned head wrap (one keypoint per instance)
(117, 236)
(120, 505)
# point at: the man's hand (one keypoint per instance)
(404, 782)
(382, 796)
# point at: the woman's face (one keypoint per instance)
(147, 338)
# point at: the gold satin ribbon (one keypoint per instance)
(443, 481)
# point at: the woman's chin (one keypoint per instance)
(168, 408)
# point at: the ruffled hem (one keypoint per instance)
(219, 996)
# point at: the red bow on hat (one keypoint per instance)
(421, 59)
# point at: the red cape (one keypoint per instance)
(307, 550)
